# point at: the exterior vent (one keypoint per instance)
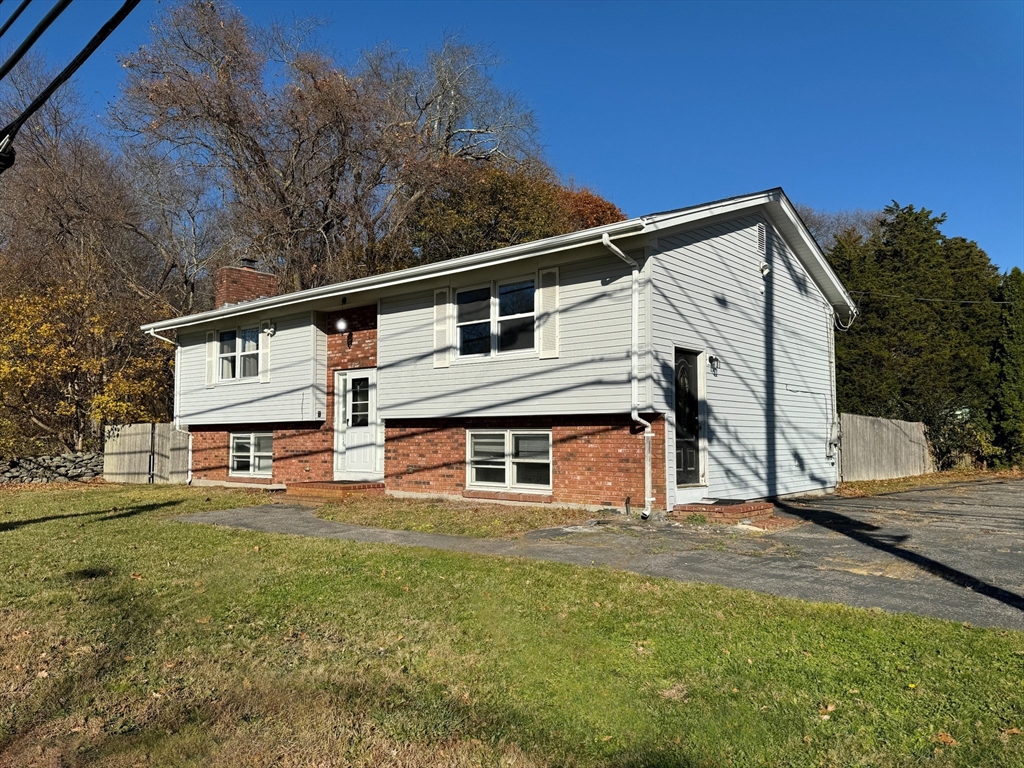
(760, 239)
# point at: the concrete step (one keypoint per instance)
(753, 512)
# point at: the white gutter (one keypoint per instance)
(177, 424)
(634, 376)
(413, 274)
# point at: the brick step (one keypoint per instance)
(755, 512)
(324, 491)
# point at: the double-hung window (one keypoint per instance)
(239, 354)
(509, 459)
(515, 315)
(473, 321)
(252, 453)
(491, 322)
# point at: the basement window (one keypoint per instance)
(252, 454)
(509, 460)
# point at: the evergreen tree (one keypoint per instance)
(923, 348)
(1010, 397)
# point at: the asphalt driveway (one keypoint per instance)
(953, 552)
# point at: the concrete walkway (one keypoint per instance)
(953, 552)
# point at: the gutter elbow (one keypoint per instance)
(156, 335)
(606, 241)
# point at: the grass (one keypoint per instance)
(876, 487)
(459, 518)
(130, 639)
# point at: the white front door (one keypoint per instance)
(358, 447)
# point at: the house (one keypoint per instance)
(664, 360)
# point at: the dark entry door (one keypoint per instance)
(687, 420)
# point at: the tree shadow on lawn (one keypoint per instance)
(108, 514)
(865, 533)
(210, 710)
(258, 722)
(129, 621)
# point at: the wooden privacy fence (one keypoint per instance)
(145, 453)
(880, 449)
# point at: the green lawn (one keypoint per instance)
(127, 638)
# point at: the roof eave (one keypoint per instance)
(412, 274)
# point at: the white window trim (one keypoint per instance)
(252, 454)
(237, 354)
(495, 318)
(456, 324)
(509, 484)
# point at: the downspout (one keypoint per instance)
(177, 426)
(634, 376)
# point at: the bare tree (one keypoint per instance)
(321, 168)
(826, 226)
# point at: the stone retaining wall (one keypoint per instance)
(52, 469)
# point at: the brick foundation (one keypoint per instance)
(597, 460)
(304, 451)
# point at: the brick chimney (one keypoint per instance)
(233, 285)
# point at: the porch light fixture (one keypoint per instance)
(714, 361)
(271, 329)
(341, 325)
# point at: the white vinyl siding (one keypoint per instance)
(769, 408)
(589, 375)
(292, 387)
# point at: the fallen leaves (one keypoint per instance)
(945, 739)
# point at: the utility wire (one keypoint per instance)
(34, 35)
(14, 16)
(7, 134)
(922, 298)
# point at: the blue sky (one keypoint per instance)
(661, 105)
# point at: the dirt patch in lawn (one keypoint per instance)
(451, 516)
(878, 487)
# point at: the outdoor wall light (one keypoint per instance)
(271, 329)
(714, 362)
(341, 325)
(765, 269)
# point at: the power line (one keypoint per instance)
(14, 16)
(34, 35)
(8, 133)
(924, 298)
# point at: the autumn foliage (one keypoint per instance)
(234, 141)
